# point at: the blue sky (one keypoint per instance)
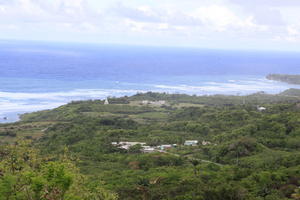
(226, 24)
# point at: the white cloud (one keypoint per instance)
(216, 15)
(272, 3)
(163, 20)
(156, 15)
(203, 20)
(293, 31)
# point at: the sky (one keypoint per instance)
(223, 24)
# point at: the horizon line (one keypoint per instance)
(57, 42)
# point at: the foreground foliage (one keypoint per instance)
(24, 174)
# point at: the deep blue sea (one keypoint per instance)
(36, 76)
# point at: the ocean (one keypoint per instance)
(38, 75)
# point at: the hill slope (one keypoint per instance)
(243, 153)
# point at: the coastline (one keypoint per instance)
(12, 117)
(285, 78)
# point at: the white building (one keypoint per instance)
(145, 102)
(106, 102)
(191, 143)
(132, 143)
(127, 145)
(165, 146)
(261, 109)
(148, 149)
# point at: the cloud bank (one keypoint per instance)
(214, 23)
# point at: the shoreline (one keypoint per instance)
(13, 117)
(285, 78)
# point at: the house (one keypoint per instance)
(132, 143)
(148, 149)
(145, 102)
(165, 146)
(127, 145)
(191, 143)
(261, 109)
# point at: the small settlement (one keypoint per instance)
(159, 148)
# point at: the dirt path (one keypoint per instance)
(191, 158)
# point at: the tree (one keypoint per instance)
(135, 149)
(26, 175)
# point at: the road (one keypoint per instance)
(191, 158)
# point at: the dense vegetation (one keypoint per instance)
(24, 174)
(287, 78)
(251, 154)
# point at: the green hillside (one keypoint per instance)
(244, 153)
